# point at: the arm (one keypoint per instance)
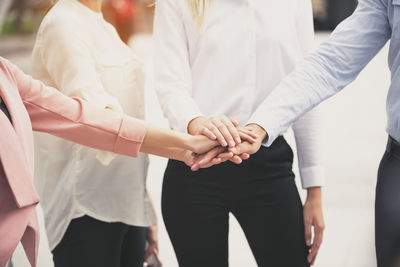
(336, 63)
(172, 74)
(78, 121)
(157, 140)
(308, 134)
(152, 234)
(173, 79)
(307, 129)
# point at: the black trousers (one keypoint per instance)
(260, 193)
(387, 208)
(92, 243)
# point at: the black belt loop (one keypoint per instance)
(393, 147)
(389, 145)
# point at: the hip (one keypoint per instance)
(269, 164)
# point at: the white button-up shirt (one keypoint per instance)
(231, 64)
(81, 54)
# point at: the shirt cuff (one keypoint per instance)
(312, 176)
(271, 126)
(111, 103)
(130, 136)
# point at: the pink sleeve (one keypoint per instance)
(76, 120)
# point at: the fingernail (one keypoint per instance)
(238, 140)
(234, 150)
(232, 144)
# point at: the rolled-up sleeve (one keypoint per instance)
(335, 64)
(173, 80)
(77, 120)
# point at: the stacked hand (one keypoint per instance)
(236, 144)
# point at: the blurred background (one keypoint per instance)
(354, 123)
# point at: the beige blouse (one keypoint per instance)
(81, 54)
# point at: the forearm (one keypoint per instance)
(158, 139)
(166, 152)
(309, 138)
(335, 64)
(152, 206)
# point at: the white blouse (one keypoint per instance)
(81, 54)
(231, 64)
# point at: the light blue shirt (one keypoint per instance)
(335, 64)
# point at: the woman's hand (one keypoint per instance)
(313, 220)
(200, 144)
(221, 154)
(152, 240)
(219, 128)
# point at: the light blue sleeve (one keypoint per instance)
(335, 64)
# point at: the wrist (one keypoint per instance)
(258, 130)
(179, 154)
(188, 142)
(194, 125)
(314, 194)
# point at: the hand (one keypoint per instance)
(190, 158)
(251, 147)
(152, 240)
(313, 220)
(210, 158)
(200, 144)
(220, 154)
(218, 128)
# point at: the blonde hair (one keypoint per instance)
(199, 10)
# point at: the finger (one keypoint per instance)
(225, 156)
(232, 129)
(247, 137)
(205, 131)
(243, 147)
(307, 232)
(316, 245)
(233, 150)
(224, 131)
(236, 159)
(213, 162)
(206, 158)
(149, 251)
(244, 156)
(217, 133)
(249, 132)
(235, 121)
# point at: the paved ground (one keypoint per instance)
(354, 123)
